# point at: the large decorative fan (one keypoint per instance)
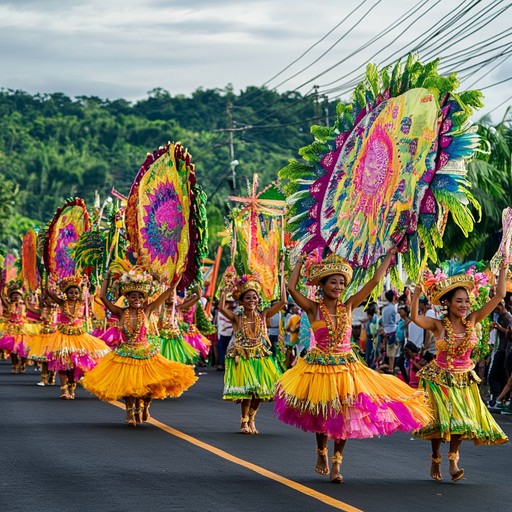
(388, 172)
(64, 230)
(30, 272)
(166, 216)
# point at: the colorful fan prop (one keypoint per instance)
(64, 230)
(30, 272)
(166, 216)
(258, 235)
(388, 172)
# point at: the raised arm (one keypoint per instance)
(489, 307)
(5, 303)
(307, 305)
(275, 308)
(359, 297)
(425, 322)
(115, 310)
(188, 303)
(153, 306)
(54, 297)
(225, 311)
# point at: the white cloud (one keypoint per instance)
(124, 48)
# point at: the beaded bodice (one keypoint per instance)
(454, 349)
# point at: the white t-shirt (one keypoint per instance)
(416, 334)
(432, 349)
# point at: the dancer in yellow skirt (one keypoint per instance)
(449, 380)
(71, 350)
(330, 391)
(251, 371)
(40, 342)
(135, 371)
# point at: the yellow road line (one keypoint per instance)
(324, 498)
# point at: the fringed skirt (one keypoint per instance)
(118, 376)
(253, 377)
(79, 352)
(175, 348)
(458, 407)
(15, 344)
(195, 339)
(348, 400)
(39, 347)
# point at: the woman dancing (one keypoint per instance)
(71, 350)
(251, 371)
(135, 371)
(330, 392)
(449, 380)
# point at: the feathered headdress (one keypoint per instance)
(389, 171)
(318, 268)
(451, 275)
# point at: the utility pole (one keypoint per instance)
(317, 106)
(233, 162)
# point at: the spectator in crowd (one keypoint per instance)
(389, 325)
(273, 327)
(497, 377)
(224, 332)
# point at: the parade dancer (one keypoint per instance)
(135, 371)
(72, 350)
(14, 339)
(330, 392)
(450, 380)
(251, 371)
(39, 343)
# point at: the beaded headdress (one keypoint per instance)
(70, 281)
(452, 275)
(245, 283)
(137, 279)
(317, 269)
(14, 287)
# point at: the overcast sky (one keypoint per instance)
(125, 48)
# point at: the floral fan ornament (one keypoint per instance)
(166, 216)
(64, 230)
(389, 171)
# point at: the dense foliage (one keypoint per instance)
(53, 147)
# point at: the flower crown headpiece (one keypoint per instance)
(70, 281)
(14, 287)
(137, 279)
(245, 283)
(453, 275)
(318, 268)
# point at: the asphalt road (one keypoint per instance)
(76, 456)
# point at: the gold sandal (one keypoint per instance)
(336, 477)
(457, 475)
(252, 424)
(436, 461)
(322, 452)
(244, 427)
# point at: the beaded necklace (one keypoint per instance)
(76, 312)
(252, 334)
(336, 333)
(451, 337)
(133, 333)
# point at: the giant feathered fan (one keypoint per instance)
(388, 172)
(166, 216)
(64, 230)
